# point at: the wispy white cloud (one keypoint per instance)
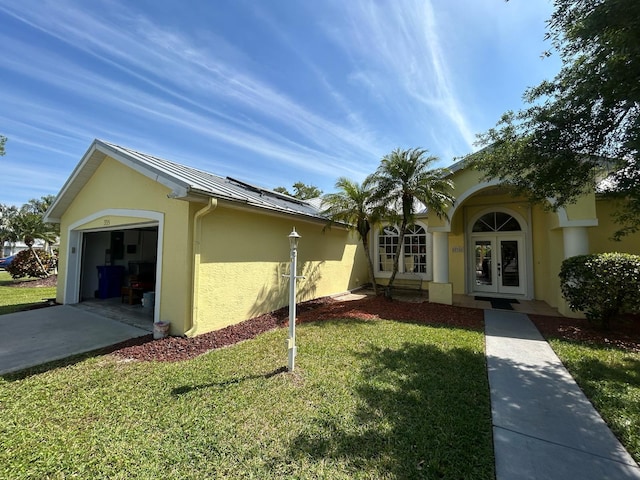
(190, 82)
(402, 40)
(326, 95)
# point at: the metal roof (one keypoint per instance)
(186, 183)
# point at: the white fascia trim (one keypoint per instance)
(446, 228)
(563, 220)
(74, 174)
(177, 187)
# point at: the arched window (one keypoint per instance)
(415, 249)
(387, 247)
(496, 222)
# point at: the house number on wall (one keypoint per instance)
(107, 222)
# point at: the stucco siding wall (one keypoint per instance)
(244, 255)
(600, 237)
(548, 253)
(115, 186)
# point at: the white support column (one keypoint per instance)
(576, 241)
(440, 290)
(441, 257)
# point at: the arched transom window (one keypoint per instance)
(496, 222)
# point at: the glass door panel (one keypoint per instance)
(509, 263)
(485, 268)
(511, 266)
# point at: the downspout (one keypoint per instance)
(197, 242)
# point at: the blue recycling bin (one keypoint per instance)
(109, 280)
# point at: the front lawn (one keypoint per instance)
(369, 399)
(15, 298)
(610, 377)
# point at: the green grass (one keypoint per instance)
(13, 299)
(368, 400)
(610, 377)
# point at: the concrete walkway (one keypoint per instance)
(39, 336)
(543, 425)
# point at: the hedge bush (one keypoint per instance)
(603, 285)
(26, 265)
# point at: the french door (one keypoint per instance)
(498, 262)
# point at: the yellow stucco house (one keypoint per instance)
(213, 250)
(497, 245)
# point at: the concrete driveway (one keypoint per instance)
(39, 336)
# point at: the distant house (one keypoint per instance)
(213, 250)
(11, 248)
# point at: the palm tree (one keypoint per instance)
(352, 205)
(39, 207)
(29, 227)
(7, 213)
(401, 181)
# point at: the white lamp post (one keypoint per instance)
(291, 341)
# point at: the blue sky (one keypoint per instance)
(271, 92)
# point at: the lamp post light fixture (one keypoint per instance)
(294, 238)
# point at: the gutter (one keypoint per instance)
(212, 204)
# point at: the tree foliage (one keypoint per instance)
(3, 141)
(27, 225)
(32, 263)
(7, 233)
(301, 191)
(352, 205)
(583, 123)
(402, 183)
(602, 285)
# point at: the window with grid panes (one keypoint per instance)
(415, 249)
(387, 245)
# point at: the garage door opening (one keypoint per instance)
(118, 274)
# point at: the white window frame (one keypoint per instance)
(404, 264)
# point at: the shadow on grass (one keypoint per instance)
(425, 413)
(233, 381)
(611, 389)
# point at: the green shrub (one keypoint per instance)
(603, 285)
(26, 265)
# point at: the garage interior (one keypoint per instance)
(118, 274)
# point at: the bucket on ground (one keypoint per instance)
(161, 330)
(149, 301)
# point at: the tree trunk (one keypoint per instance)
(396, 258)
(372, 276)
(39, 262)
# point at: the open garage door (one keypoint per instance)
(118, 269)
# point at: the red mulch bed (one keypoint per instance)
(624, 333)
(173, 349)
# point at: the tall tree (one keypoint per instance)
(7, 234)
(352, 205)
(29, 227)
(586, 119)
(301, 191)
(3, 141)
(39, 206)
(401, 181)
